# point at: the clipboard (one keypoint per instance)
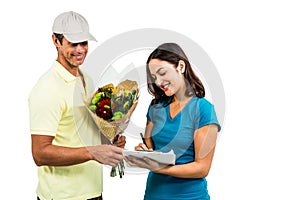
(165, 158)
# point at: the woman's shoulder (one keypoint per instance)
(202, 101)
(159, 103)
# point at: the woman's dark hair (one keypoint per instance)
(172, 53)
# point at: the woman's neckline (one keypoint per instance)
(179, 107)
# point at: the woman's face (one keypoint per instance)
(167, 77)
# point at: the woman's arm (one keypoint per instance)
(204, 144)
(149, 143)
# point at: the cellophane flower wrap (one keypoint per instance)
(111, 108)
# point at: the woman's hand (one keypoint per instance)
(142, 147)
(144, 162)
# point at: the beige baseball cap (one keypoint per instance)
(73, 26)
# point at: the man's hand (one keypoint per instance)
(106, 154)
(120, 141)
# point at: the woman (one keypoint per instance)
(181, 119)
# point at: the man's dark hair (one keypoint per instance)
(59, 37)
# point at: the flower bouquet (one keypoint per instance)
(111, 108)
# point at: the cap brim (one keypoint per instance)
(80, 37)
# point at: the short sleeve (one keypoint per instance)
(207, 114)
(156, 112)
(45, 110)
(148, 115)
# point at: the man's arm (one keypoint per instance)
(45, 153)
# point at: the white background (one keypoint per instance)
(255, 46)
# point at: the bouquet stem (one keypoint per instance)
(120, 167)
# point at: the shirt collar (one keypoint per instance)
(63, 72)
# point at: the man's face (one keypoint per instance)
(72, 54)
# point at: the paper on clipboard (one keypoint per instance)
(165, 158)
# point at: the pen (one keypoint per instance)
(143, 139)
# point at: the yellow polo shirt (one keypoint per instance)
(56, 106)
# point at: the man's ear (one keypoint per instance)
(181, 66)
(56, 42)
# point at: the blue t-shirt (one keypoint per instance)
(178, 134)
